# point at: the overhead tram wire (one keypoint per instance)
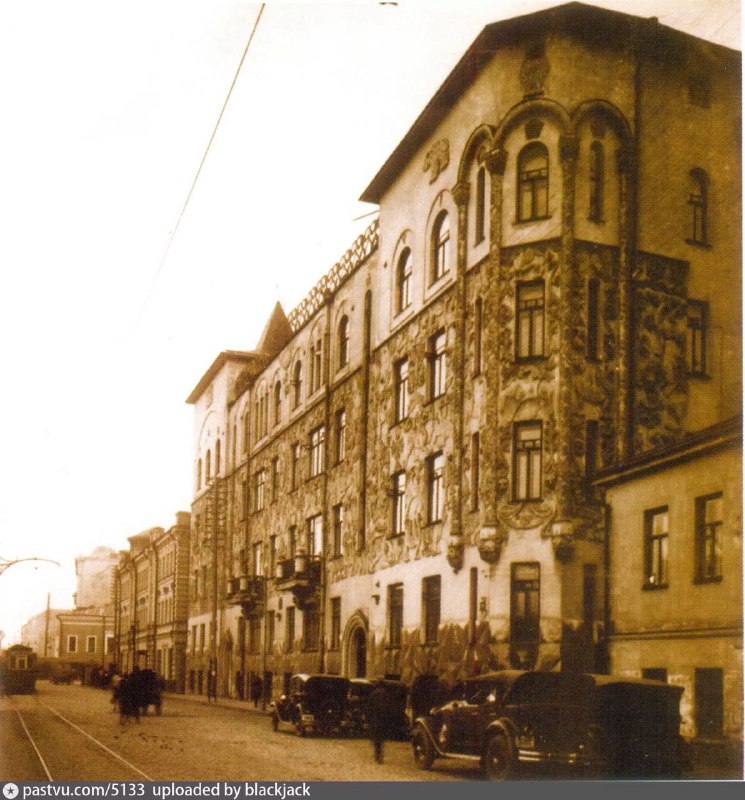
(201, 163)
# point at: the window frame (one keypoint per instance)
(696, 337)
(316, 451)
(525, 494)
(435, 487)
(335, 616)
(525, 615)
(534, 311)
(297, 384)
(698, 208)
(340, 437)
(437, 363)
(343, 343)
(708, 541)
(531, 183)
(440, 256)
(480, 206)
(395, 592)
(404, 278)
(260, 489)
(401, 389)
(656, 550)
(398, 503)
(431, 609)
(337, 542)
(596, 182)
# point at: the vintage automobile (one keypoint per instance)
(314, 703)
(359, 692)
(587, 725)
(147, 688)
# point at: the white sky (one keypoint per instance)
(107, 108)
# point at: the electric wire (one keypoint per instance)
(201, 163)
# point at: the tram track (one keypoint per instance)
(48, 732)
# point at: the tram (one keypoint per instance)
(18, 670)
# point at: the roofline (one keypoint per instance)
(695, 445)
(244, 356)
(470, 66)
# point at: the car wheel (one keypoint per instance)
(275, 721)
(424, 753)
(498, 762)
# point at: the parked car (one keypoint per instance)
(313, 703)
(590, 725)
(359, 692)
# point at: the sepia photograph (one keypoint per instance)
(373, 396)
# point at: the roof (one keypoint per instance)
(583, 21)
(277, 333)
(693, 445)
(222, 359)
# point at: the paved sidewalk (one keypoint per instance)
(221, 702)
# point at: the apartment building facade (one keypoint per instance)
(401, 479)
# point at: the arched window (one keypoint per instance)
(480, 221)
(208, 467)
(440, 246)
(297, 383)
(217, 457)
(532, 182)
(343, 341)
(199, 474)
(277, 402)
(698, 204)
(596, 178)
(403, 280)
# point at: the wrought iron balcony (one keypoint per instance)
(248, 592)
(300, 575)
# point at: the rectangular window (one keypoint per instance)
(698, 312)
(593, 319)
(395, 614)
(527, 468)
(437, 365)
(401, 380)
(256, 559)
(709, 513)
(709, 703)
(341, 435)
(314, 544)
(202, 632)
(338, 516)
(475, 457)
(435, 491)
(311, 628)
(90, 644)
(244, 502)
(398, 496)
(72, 644)
(317, 451)
(269, 631)
(525, 610)
(290, 629)
(293, 541)
(335, 623)
(529, 320)
(431, 608)
(259, 485)
(655, 547)
(295, 469)
(275, 479)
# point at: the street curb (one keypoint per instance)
(221, 702)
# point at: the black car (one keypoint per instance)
(314, 703)
(589, 725)
(397, 694)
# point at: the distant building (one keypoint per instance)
(85, 642)
(95, 574)
(42, 633)
(150, 590)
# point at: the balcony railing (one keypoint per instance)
(247, 591)
(300, 575)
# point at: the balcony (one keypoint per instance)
(248, 592)
(300, 575)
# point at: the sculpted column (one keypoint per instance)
(492, 535)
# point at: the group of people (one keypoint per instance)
(133, 692)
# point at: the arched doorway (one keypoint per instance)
(354, 652)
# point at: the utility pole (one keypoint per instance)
(212, 677)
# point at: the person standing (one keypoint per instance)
(377, 713)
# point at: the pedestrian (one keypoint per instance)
(378, 715)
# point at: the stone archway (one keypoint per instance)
(354, 663)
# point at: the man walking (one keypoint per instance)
(377, 713)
